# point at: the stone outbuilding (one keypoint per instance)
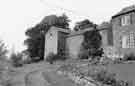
(66, 41)
(63, 40)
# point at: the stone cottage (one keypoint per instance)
(118, 38)
(123, 28)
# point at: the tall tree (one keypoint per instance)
(3, 56)
(63, 22)
(35, 41)
(36, 35)
(58, 21)
(3, 50)
(84, 24)
(92, 43)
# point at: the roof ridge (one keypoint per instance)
(125, 10)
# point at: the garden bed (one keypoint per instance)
(96, 74)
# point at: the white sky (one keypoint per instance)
(18, 15)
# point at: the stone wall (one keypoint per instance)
(120, 31)
(74, 44)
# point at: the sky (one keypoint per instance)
(16, 16)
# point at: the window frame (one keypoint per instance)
(128, 41)
(125, 20)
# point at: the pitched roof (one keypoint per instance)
(60, 29)
(125, 11)
(73, 33)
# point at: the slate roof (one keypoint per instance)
(125, 11)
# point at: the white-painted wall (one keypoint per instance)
(51, 41)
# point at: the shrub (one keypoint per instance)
(6, 83)
(106, 60)
(118, 60)
(50, 57)
(28, 61)
(53, 57)
(105, 77)
(108, 78)
(130, 56)
(83, 54)
(16, 59)
(99, 74)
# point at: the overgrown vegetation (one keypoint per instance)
(108, 78)
(16, 59)
(4, 64)
(53, 57)
(3, 50)
(84, 24)
(91, 47)
(36, 35)
(129, 57)
(126, 58)
(98, 74)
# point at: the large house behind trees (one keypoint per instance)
(117, 40)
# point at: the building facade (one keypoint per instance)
(68, 42)
(55, 40)
(118, 38)
(123, 27)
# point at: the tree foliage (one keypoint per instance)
(3, 50)
(3, 56)
(83, 25)
(92, 43)
(36, 35)
(16, 59)
(58, 21)
(35, 40)
(55, 57)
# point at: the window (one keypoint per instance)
(128, 41)
(124, 42)
(125, 20)
(131, 40)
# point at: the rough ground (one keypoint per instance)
(57, 80)
(40, 74)
(43, 74)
